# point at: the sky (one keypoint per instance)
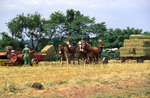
(115, 13)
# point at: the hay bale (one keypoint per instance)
(134, 51)
(137, 43)
(139, 37)
(9, 47)
(136, 46)
(48, 51)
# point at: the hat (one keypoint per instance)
(100, 40)
(79, 42)
(26, 45)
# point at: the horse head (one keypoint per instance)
(67, 44)
(80, 48)
(86, 46)
(60, 49)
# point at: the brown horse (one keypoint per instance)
(81, 53)
(92, 52)
(60, 52)
(69, 52)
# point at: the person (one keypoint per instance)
(101, 46)
(27, 59)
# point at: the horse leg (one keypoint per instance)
(83, 59)
(73, 59)
(89, 59)
(60, 60)
(78, 59)
(67, 59)
(97, 58)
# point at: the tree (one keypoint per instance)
(30, 26)
(99, 29)
(55, 26)
(115, 38)
(77, 26)
(10, 41)
(73, 26)
(146, 33)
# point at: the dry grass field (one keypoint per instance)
(92, 81)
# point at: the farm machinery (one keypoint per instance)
(136, 48)
(12, 57)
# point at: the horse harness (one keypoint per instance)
(90, 51)
(69, 50)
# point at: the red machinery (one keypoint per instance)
(16, 57)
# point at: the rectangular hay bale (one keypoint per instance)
(48, 51)
(139, 37)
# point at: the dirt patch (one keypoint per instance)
(95, 89)
(132, 88)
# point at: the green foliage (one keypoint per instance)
(146, 33)
(111, 55)
(72, 25)
(115, 38)
(30, 26)
(77, 26)
(55, 26)
(10, 41)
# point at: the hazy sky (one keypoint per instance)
(116, 13)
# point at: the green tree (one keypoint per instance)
(55, 26)
(146, 33)
(115, 38)
(10, 41)
(73, 26)
(30, 26)
(77, 26)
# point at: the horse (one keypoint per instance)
(69, 52)
(60, 52)
(80, 52)
(91, 52)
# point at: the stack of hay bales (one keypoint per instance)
(9, 47)
(136, 46)
(48, 51)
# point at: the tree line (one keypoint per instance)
(72, 25)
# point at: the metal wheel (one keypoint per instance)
(141, 60)
(105, 60)
(34, 62)
(1, 63)
(123, 60)
(13, 57)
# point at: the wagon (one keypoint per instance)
(15, 57)
(136, 48)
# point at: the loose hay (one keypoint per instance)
(48, 51)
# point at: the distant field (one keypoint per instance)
(94, 80)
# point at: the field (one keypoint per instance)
(92, 81)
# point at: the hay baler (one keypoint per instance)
(15, 57)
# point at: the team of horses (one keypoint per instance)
(83, 50)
